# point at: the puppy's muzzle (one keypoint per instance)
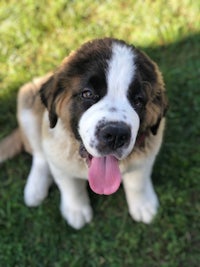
(113, 136)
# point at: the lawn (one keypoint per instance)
(34, 37)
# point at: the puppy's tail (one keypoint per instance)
(11, 145)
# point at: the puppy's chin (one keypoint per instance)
(85, 154)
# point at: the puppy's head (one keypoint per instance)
(107, 93)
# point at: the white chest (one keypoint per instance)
(61, 150)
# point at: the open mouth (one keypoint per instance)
(103, 172)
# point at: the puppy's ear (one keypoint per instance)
(48, 93)
(161, 102)
(155, 127)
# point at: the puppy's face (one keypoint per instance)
(107, 93)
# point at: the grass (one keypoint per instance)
(35, 36)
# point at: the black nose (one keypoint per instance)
(114, 135)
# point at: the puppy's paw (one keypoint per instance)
(143, 207)
(36, 190)
(33, 196)
(38, 183)
(77, 216)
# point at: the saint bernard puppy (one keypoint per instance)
(98, 117)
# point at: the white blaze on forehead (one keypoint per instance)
(121, 70)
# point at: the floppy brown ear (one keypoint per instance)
(154, 87)
(155, 127)
(48, 93)
(161, 102)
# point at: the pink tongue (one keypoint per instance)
(104, 175)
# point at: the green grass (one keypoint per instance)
(34, 37)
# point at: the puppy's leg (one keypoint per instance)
(75, 205)
(140, 195)
(39, 179)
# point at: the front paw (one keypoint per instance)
(34, 195)
(77, 216)
(143, 207)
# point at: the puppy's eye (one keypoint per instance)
(138, 101)
(87, 94)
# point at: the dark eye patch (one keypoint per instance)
(92, 89)
(98, 84)
(137, 96)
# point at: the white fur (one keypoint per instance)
(141, 198)
(75, 205)
(65, 167)
(120, 73)
(121, 70)
(58, 145)
(39, 179)
(38, 182)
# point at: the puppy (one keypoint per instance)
(99, 117)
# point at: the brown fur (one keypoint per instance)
(28, 98)
(11, 145)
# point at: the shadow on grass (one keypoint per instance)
(180, 65)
